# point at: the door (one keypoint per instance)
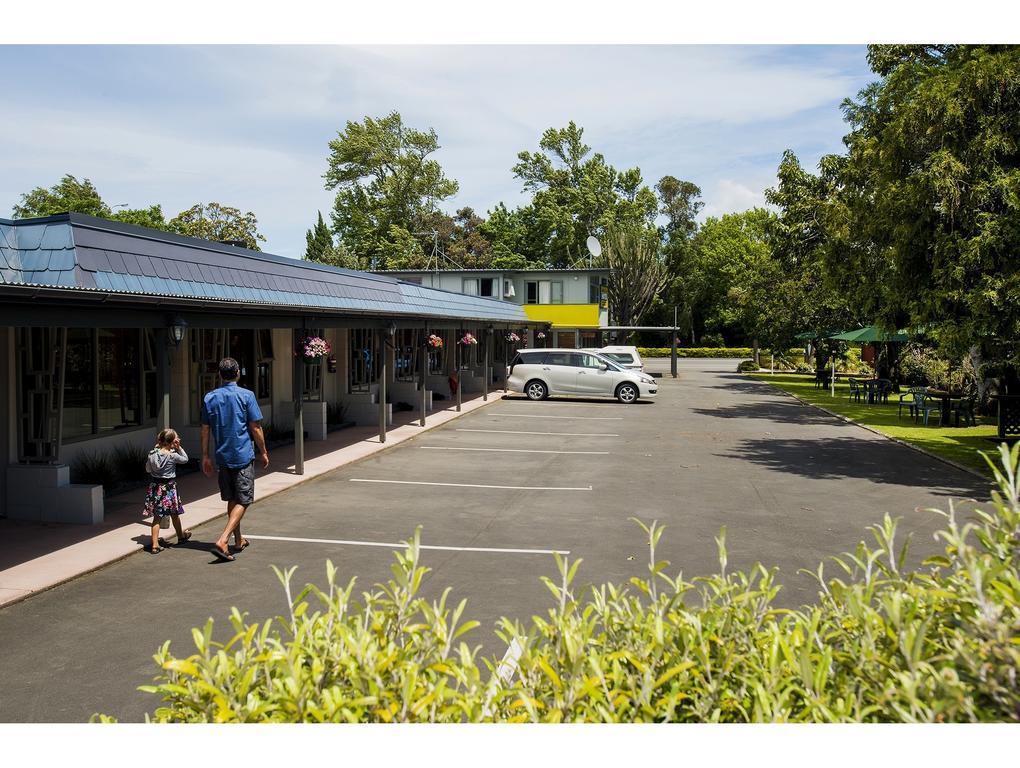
(590, 378)
(560, 372)
(242, 349)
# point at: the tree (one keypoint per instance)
(386, 186)
(637, 272)
(151, 217)
(217, 222)
(926, 221)
(577, 194)
(66, 196)
(680, 203)
(319, 241)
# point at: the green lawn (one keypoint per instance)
(960, 444)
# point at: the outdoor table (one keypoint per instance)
(945, 397)
(871, 387)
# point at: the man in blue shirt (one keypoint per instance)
(231, 415)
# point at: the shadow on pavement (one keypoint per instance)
(881, 461)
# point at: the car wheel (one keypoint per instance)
(627, 393)
(536, 390)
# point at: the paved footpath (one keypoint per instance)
(495, 491)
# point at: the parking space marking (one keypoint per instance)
(403, 544)
(510, 450)
(473, 485)
(563, 434)
(538, 416)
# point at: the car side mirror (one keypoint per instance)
(603, 367)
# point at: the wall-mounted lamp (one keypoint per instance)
(391, 329)
(175, 331)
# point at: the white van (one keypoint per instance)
(539, 373)
(626, 357)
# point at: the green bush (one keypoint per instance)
(94, 468)
(747, 366)
(708, 352)
(881, 644)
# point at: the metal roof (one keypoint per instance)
(86, 254)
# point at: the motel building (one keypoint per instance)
(570, 307)
(110, 332)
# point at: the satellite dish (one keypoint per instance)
(594, 246)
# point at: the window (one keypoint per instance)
(586, 361)
(532, 288)
(118, 385)
(559, 358)
(264, 367)
(363, 360)
(486, 286)
(471, 286)
(590, 339)
(556, 295)
(544, 292)
(566, 339)
(407, 352)
(597, 287)
(110, 380)
(620, 357)
(78, 383)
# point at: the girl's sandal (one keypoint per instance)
(184, 537)
(153, 550)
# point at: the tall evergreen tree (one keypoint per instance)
(319, 241)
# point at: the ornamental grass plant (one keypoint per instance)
(880, 644)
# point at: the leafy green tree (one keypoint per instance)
(925, 222)
(66, 196)
(577, 194)
(217, 222)
(151, 217)
(514, 237)
(638, 272)
(318, 240)
(386, 186)
(680, 203)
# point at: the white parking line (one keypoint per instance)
(537, 416)
(510, 450)
(402, 545)
(472, 485)
(563, 434)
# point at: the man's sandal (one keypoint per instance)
(237, 548)
(221, 555)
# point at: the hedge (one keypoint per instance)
(709, 352)
(880, 644)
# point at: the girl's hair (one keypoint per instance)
(166, 437)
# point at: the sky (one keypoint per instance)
(249, 125)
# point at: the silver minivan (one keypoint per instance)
(539, 373)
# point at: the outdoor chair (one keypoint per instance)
(909, 399)
(884, 388)
(925, 405)
(855, 389)
(965, 407)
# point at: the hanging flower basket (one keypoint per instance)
(435, 342)
(541, 335)
(314, 349)
(512, 337)
(468, 339)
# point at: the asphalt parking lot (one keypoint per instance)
(495, 492)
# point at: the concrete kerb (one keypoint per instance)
(848, 420)
(80, 559)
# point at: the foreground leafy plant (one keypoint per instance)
(882, 644)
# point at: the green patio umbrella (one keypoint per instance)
(870, 334)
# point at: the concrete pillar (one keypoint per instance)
(421, 377)
(381, 334)
(163, 352)
(298, 386)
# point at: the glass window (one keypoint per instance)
(566, 339)
(557, 293)
(471, 286)
(532, 287)
(486, 286)
(544, 292)
(586, 361)
(559, 358)
(118, 378)
(620, 357)
(79, 383)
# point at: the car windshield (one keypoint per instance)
(613, 366)
(620, 357)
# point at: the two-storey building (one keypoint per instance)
(572, 303)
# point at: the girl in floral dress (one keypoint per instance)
(161, 499)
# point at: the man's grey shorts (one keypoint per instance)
(238, 484)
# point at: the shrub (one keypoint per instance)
(94, 468)
(705, 352)
(128, 462)
(881, 644)
(747, 366)
(713, 340)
